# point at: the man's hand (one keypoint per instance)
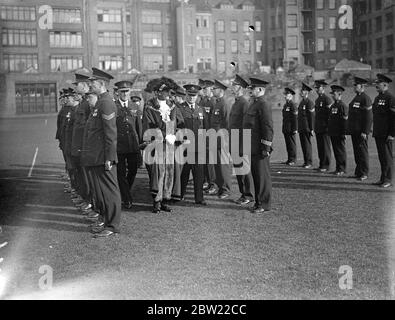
(312, 133)
(108, 165)
(364, 136)
(390, 138)
(265, 154)
(295, 132)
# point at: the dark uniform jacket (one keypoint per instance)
(101, 133)
(129, 129)
(259, 119)
(384, 115)
(322, 109)
(306, 116)
(68, 131)
(236, 118)
(61, 125)
(290, 117)
(219, 114)
(81, 115)
(193, 120)
(207, 104)
(337, 124)
(360, 115)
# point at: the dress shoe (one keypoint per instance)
(97, 224)
(378, 183)
(290, 163)
(164, 207)
(212, 191)
(362, 178)
(206, 186)
(386, 185)
(201, 203)
(156, 208)
(258, 210)
(127, 205)
(104, 234)
(339, 173)
(243, 201)
(223, 195)
(307, 166)
(322, 170)
(96, 230)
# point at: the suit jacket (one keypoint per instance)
(306, 116)
(384, 115)
(81, 115)
(360, 116)
(61, 125)
(290, 117)
(322, 109)
(337, 124)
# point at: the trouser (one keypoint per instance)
(127, 166)
(305, 142)
(361, 155)
(324, 150)
(108, 196)
(290, 142)
(91, 188)
(198, 177)
(209, 171)
(244, 181)
(223, 171)
(71, 170)
(80, 178)
(260, 169)
(386, 158)
(339, 149)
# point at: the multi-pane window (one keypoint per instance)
(207, 43)
(320, 4)
(332, 23)
(234, 46)
(379, 45)
(345, 44)
(128, 39)
(332, 4)
(19, 37)
(246, 26)
(220, 26)
(66, 15)
(65, 63)
(258, 45)
(14, 13)
(221, 46)
(332, 44)
(153, 62)
(65, 39)
(273, 44)
(292, 42)
(111, 63)
(320, 45)
(390, 63)
(320, 23)
(19, 62)
(221, 66)
(151, 16)
(390, 42)
(379, 24)
(273, 22)
(389, 20)
(233, 26)
(109, 15)
(170, 62)
(247, 46)
(258, 26)
(113, 39)
(152, 39)
(292, 20)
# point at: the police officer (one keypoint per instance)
(236, 116)
(384, 128)
(359, 127)
(322, 108)
(306, 119)
(129, 138)
(60, 122)
(193, 115)
(337, 129)
(219, 121)
(101, 157)
(290, 125)
(259, 119)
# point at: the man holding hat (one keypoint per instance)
(219, 122)
(359, 127)
(322, 109)
(384, 129)
(337, 129)
(290, 125)
(306, 118)
(236, 117)
(193, 116)
(129, 138)
(101, 155)
(259, 120)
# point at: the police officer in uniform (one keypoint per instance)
(290, 125)
(219, 121)
(337, 129)
(101, 155)
(259, 119)
(236, 117)
(193, 115)
(129, 138)
(359, 127)
(306, 118)
(322, 108)
(384, 129)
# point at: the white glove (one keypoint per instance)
(171, 138)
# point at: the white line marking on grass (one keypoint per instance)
(33, 163)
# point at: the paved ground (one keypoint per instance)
(319, 223)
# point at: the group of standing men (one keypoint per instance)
(331, 120)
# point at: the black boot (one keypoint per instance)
(164, 206)
(157, 207)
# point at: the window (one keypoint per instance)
(207, 43)
(370, 47)
(152, 39)
(389, 20)
(292, 42)
(112, 39)
(378, 4)
(379, 63)
(320, 45)
(19, 37)
(151, 16)
(14, 13)
(221, 66)
(292, 20)
(189, 29)
(170, 62)
(379, 25)
(35, 98)
(128, 17)
(153, 62)
(247, 46)
(199, 42)
(345, 45)
(320, 4)
(332, 4)
(273, 22)
(363, 48)
(197, 22)
(320, 23)
(65, 63)
(332, 44)
(332, 23)
(65, 39)
(246, 26)
(234, 46)
(221, 26)
(109, 15)
(280, 42)
(128, 39)
(233, 26)
(19, 62)
(111, 63)
(169, 43)
(208, 64)
(273, 44)
(258, 26)
(258, 45)
(390, 63)
(129, 62)
(66, 15)
(379, 45)
(221, 46)
(390, 42)
(205, 22)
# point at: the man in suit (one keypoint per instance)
(101, 155)
(384, 129)
(359, 127)
(290, 125)
(129, 138)
(259, 120)
(236, 116)
(306, 118)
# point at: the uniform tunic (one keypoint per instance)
(290, 126)
(306, 120)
